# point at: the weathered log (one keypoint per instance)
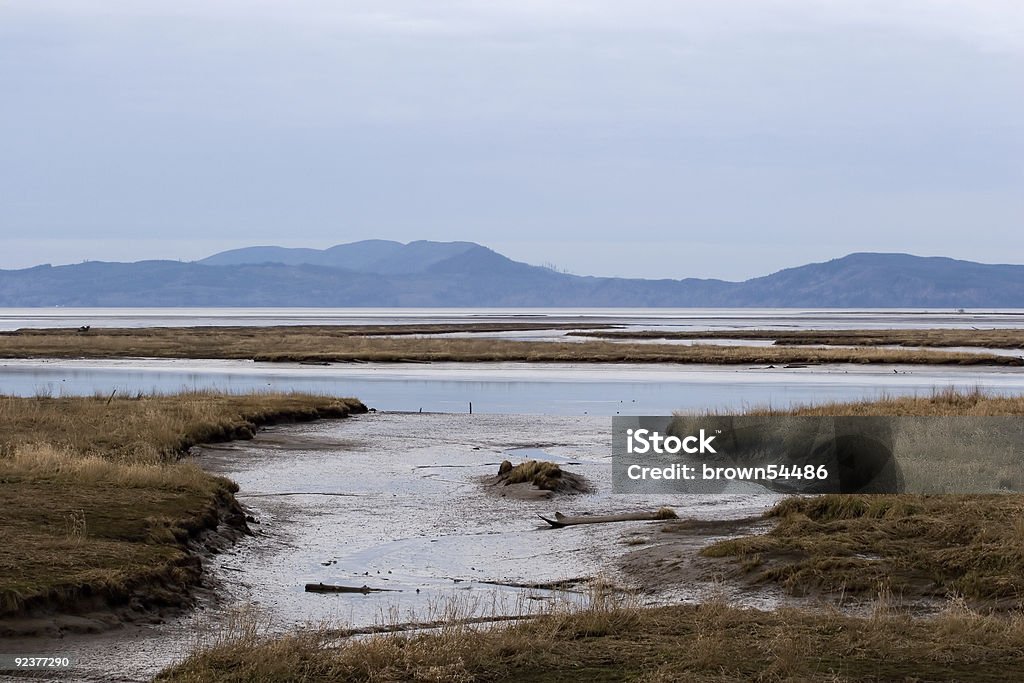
(329, 588)
(561, 520)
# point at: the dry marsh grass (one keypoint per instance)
(937, 455)
(151, 429)
(544, 475)
(940, 403)
(98, 505)
(914, 545)
(46, 462)
(709, 642)
(327, 344)
(937, 337)
(961, 456)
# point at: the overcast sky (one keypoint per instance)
(725, 138)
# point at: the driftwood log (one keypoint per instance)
(561, 520)
(329, 588)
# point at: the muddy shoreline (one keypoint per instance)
(422, 511)
(670, 557)
(170, 591)
(173, 589)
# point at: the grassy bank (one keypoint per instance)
(709, 642)
(938, 404)
(98, 507)
(936, 337)
(909, 545)
(328, 344)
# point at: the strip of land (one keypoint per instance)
(329, 344)
(941, 337)
(101, 518)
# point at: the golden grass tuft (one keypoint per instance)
(665, 513)
(47, 462)
(543, 475)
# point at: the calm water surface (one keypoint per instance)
(522, 388)
(562, 389)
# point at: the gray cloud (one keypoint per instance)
(784, 131)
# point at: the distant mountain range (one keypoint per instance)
(465, 274)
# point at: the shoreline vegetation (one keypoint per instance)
(910, 546)
(931, 337)
(378, 344)
(104, 519)
(616, 641)
(966, 551)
